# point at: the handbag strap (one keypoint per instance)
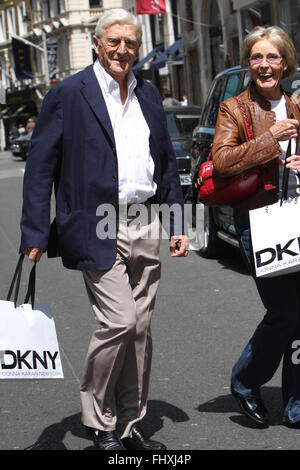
(267, 182)
(16, 280)
(246, 119)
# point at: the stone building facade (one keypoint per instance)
(213, 32)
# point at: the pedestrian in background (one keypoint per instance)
(29, 126)
(168, 100)
(21, 130)
(274, 118)
(102, 139)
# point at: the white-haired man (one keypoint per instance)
(102, 139)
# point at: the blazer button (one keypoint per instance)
(114, 178)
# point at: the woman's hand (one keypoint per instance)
(293, 162)
(285, 129)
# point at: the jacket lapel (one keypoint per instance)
(92, 93)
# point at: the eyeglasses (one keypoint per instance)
(270, 58)
(115, 41)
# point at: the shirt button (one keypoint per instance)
(114, 178)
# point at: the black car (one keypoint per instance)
(214, 225)
(181, 122)
(20, 146)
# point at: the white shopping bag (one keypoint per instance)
(275, 233)
(28, 341)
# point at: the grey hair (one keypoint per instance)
(117, 15)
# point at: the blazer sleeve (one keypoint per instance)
(41, 166)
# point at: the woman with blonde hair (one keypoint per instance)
(274, 118)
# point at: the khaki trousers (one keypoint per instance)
(115, 380)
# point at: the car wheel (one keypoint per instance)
(210, 246)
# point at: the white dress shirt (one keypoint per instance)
(131, 132)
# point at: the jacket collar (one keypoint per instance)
(254, 95)
(94, 97)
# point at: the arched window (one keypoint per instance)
(216, 39)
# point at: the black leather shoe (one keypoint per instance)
(289, 424)
(137, 441)
(253, 408)
(105, 440)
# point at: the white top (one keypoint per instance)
(131, 132)
(279, 108)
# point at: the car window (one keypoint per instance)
(232, 86)
(246, 80)
(182, 125)
(210, 116)
(292, 84)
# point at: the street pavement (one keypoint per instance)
(205, 312)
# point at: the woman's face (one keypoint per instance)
(267, 66)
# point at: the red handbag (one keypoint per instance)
(214, 190)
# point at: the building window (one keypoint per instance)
(258, 14)
(189, 15)
(21, 9)
(176, 22)
(2, 27)
(11, 21)
(96, 3)
(289, 17)
(216, 40)
(46, 9)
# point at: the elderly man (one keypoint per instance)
(102, 139)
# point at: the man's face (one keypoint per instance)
(117, 49)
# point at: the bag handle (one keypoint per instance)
(31, 286)
(16, 280)
(285, 176)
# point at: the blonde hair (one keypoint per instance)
(279, 38)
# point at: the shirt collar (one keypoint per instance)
(109, 84)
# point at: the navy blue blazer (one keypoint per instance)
(73, 147)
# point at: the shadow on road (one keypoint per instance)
(235, 263)
(227, 404)
(53, 436)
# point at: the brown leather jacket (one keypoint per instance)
(232, 152)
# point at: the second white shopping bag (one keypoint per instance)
(275, 233)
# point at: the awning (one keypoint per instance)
(162, 59)
(19, 110)
(149, 56)
(5, 111)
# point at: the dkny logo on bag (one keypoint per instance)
(270, 254)
(29, 359)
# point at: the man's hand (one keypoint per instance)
(33, 253)
(179, 245)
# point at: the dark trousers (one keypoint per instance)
(276, 337)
